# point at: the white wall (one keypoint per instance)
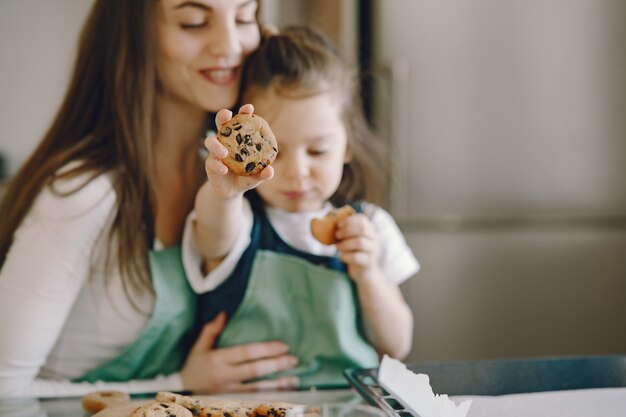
(507, 118)
(37, 45)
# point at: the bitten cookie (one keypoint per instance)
(250, 142)
(99, 400)
(324, 229)
(158, 409)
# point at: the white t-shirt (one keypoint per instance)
(57, 318)
(396, 258)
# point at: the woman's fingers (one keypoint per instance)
(228, 369)
(210, 331)
(245, 362)
(253, 351)
(262, 367)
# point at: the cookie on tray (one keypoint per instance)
(184, 400)
(159, 409)
(229, 408)
(99, 400)
(250, 142)
(324, 229)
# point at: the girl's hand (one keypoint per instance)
(359, 247)
(209, 371)
(225, 183)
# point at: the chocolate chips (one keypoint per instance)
(250, 143)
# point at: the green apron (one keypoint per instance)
(312, 308)
(162, 347)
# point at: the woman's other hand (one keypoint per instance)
(224, 182)
(209, 370)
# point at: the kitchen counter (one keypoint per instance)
(603, 402)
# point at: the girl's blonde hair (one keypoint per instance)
(301, 61)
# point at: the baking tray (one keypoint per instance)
(498, 377)
(365, 381)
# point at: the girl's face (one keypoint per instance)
(312, 149)
(201, 47)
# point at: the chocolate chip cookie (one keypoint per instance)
(324, 229)
(157, 409)
(250, 142)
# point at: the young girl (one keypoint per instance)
(336, 306)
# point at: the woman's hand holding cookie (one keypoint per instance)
(358, 243)
(240, 156)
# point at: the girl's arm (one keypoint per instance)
(217, 224)
(219, 202)
(388, 320)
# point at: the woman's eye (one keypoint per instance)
(197, 25)
(246, 21)
(247, 14)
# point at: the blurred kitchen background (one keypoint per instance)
(507, 124)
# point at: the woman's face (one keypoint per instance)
(201, 48)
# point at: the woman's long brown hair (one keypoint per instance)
(106, 123)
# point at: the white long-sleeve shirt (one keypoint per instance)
(58, 316)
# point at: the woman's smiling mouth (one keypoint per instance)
(220, 76)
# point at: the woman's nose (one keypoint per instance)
(224, 39)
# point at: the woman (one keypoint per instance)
(92, 293)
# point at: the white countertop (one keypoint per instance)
(599, 402)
